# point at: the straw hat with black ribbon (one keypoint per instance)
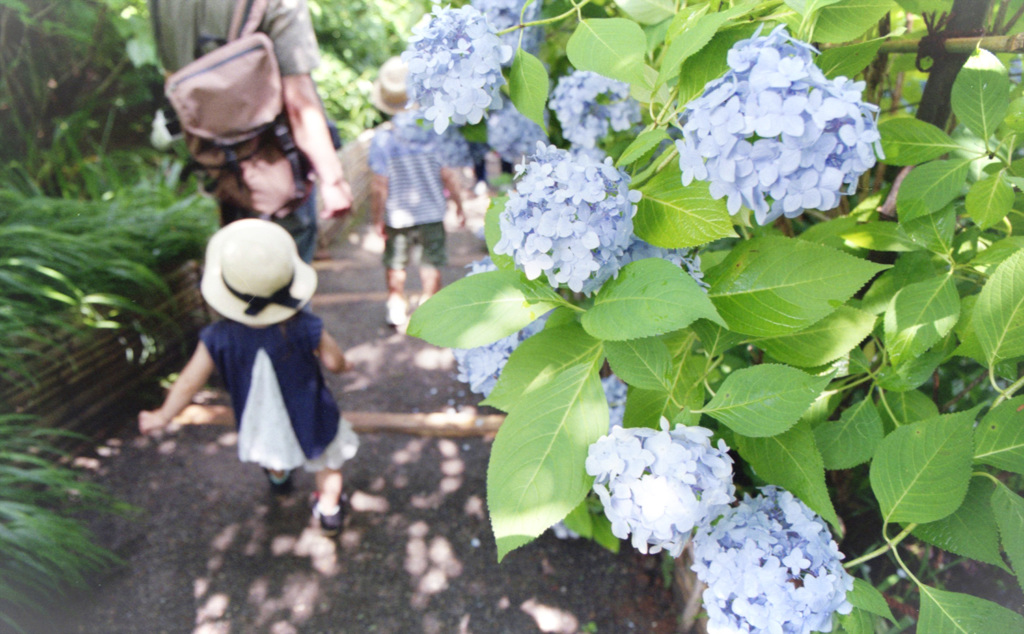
(254, 275)
(389, 93)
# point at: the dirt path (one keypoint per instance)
(213, 552)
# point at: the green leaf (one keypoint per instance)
(981, 93)
(971, 531)
(644, 408)
(876, 236)
(492, 233)
(910, 141)
(649, 297)
(987, 260)
(930, 187)
(641, 145)
(856, 622)
(528, 87)
(912, 372)
(990, 200)
(536, 475)
(647, 11)
(538, 359)
(482, 308)
(764, 400)
(998, 316)
(920, 471)
(823, 342)
(791, 461)
(1008, 508)
(696, 36)
(903, 408)
(847, 61)
(715, 338)
(919, 316)
(772, 286)
(613, 47)
(644, 363)
(999, 438)
(933, 231)
(709, 62)
(866, 597)
(847, 20)
(944, 612)
(852, 439)
(580, 521)
(672, 216)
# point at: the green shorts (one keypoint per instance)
(401, 245)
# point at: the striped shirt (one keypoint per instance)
(411, 157)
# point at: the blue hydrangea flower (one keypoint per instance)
(615, 392)
(770, 565)
(656, 486)
(455, 61)
(511, 134)
(588, 104)
(774, 134)
(505, 14)
(568, 218)
(481, 367)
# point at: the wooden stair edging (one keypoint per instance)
(81, 378)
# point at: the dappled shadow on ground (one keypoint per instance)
(212, 551)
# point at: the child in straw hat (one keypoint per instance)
(268, 352)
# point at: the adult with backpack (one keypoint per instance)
(239, 81)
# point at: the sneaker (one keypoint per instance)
(280, 485)
(396, 312)
(330, 525)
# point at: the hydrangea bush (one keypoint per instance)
(588, 105)
(856, 334)
(512, 135)
(505, 14)
(455, 60)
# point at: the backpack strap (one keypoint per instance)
(247, 17)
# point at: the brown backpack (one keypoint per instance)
(229, 102)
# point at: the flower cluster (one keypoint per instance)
(615, 392)
(481, 367)
(771, 565)
(511, 134)
(504, 14)
(455, 61)
(774, 127)
(568, 218)
(658, 485)
(587, 104)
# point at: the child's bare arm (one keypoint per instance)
(191, 379)
(330, 354)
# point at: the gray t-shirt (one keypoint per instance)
(181, 24)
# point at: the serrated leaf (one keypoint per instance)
(919, 316)
(672, 216)
(851, 440)
(981, 93)
(912, 372)
(866, 597)
(482, 308)
(641, 145)
(971, 530)
(989, 200)
(528, 87)
(876, 236)
(715, 338)
(644, 363)
(1008, 508)
(791, 461)
(696, 36)
(903, 408)
(847, 61)
(930, 187)
(492, 233)
(644, 408)
(910, 141)
(772, 286)
(764, 400)
(649, 297)
(612, 47)
(847, 20)
(823, 342)
(998, 317)
(538, 359)
(536, 473)
(920, 471)
(944, 612)
(647, 11)
(999, 438)
(709, 62)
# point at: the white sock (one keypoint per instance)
(327, 511)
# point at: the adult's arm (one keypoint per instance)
(378, 200)
(309, 127)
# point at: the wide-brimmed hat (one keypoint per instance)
(388, 93)
(254, 275)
